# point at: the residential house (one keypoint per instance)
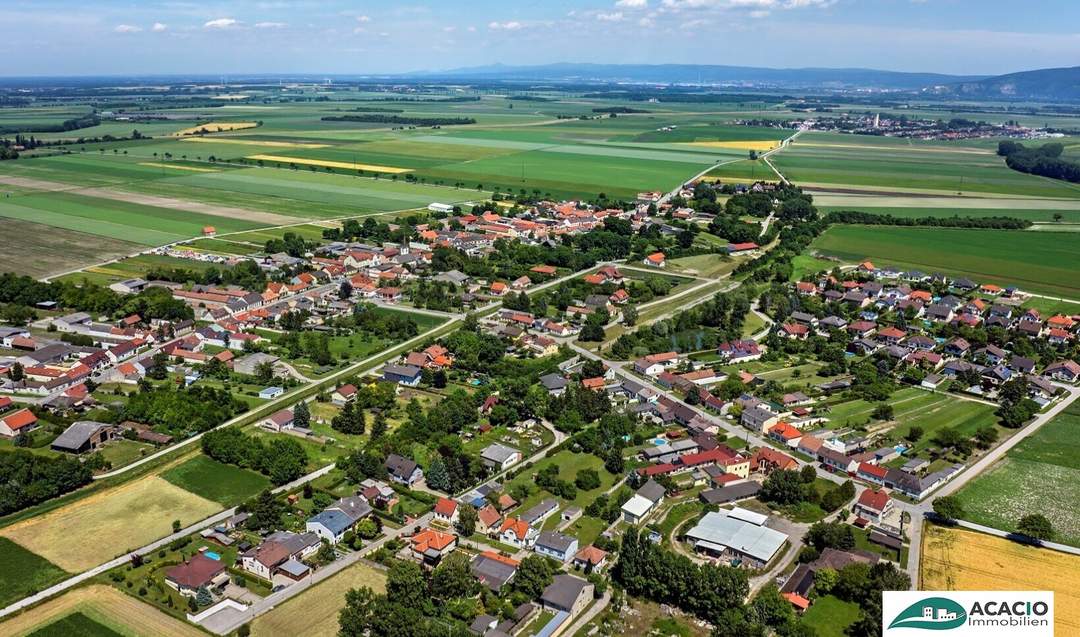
(499, 457)
(85, 435)
(403, 470)
(517, 533)
(643, 502)
(333, 522)
(873, 505)
(556, 545)
(343, 394)
(407, 375)
(18, 422)
(446, 511)
(567, 594)
(278, 558)
(198, 572)
(493, 569)
(430, 546)
(590, 559)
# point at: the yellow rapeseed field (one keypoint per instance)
(105, 605)
(322, 163)
(958, 559)
(97, 528)
(743, 145)
(253, 142)
(216, 127)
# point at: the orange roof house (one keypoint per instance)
(656, 259)
(431, 544)
(17, 422)
(209, 231)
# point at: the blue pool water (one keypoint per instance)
(658, 441)
(212, 555)
(900, 449)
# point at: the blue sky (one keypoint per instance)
(99, 37)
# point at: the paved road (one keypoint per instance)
(586, 617)
(149, 548)
(226, 621)
(285, 399)
(919, 511)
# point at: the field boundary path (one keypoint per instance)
(149, 548)
(1008, 535)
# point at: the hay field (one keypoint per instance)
(105, 605)
(215, 127)
(958, 559)
(40, 250)
(97, 528)
(330, 164)
(314, 613)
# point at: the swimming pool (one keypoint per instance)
(658, 441)
(212, 555)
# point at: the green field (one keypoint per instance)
(1034, 261)
(887, 164)
(917, 408)
(75, 624)
(40, 250)
(24, 573)
(1039, 475)
(213, 480)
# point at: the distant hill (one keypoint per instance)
(1042, 84)
(709, 74)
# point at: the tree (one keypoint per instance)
(534, 574)
(835, 535)
(301, 415)
(16, 373)
(405, 585)
(783, 487)
(355, 617)
(808, 474)
(202, 597)
(264, 373)
(467, 519)
(948, 507)
(1035, 526)
(264, 511)
(438, 477)
(587, 479)
(825, 580)
(453, 578)
(914, 434)
(630, 315)
(771, 608)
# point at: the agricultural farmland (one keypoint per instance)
(99, 605)
(957, 559)
(1034, 261)
(1040, 475)
(314, 612)
(123, 518)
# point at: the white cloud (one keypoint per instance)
(471, 29)
(449, 29)
(363, 18)
(221, 23)
(158, 27)
(615, 16)
(512, 25)
(632, 4)
(127, 28)
(270, 25)
(759, 13)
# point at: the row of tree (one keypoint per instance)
(28, 478)
(282, 459)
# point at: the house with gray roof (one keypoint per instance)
(567, 594)
(85, 435)
(333, 522)
(556, 545)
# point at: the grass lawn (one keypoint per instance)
(1039, 475)
(705, 265)
(124, 452)
(1034, 261)
(75, 624)
(538, 624)
(569, 464)
(586, 529)
(829, 616)
(217, 481)
(24, 572)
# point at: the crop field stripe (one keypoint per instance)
(177, 167)
(330, 164)
(93, 226)
(252, 142)
(216, 127)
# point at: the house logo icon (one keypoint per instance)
(931, 613)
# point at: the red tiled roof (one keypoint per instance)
(20, 419)
(876, 500)
(445, 507)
